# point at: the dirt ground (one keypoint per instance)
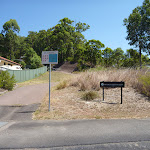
(68, 104)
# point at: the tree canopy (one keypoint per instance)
(67, 37)
(138, 28)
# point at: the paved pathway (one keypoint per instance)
(25, 95)
(19, 104)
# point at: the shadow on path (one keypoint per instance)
(17, 113)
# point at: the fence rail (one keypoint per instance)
(24, 75)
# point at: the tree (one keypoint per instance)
(107, 57)
(31, 59)
(118, 57)
(79, 42)
(93, 51)
(81, 27)
(138, 28)
(10, 30)
(131, 58)
(2, 49)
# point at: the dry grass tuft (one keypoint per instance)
(62, 85)
(90, 95)
(91, 80)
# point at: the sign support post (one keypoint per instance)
(49, 86)
(49, 57)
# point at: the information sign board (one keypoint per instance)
(112, 85)
(49, 57)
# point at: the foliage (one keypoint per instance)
(91, 95)
(62, 85)
(31, 59)
(6, 81)
(23, 64)
(118, 57)
(93, 51)
(144, 81)
(132, 59)
(107, 57)
(10, 28)
(67, 38)
(138, 27)
(11, 25)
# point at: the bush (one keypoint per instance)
(23, 64)
(6, 81)
(62, 85)
(89, 95)
(144, 84)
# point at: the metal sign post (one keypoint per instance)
(49, 57)
(49, 86)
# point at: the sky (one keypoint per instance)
(105, 17)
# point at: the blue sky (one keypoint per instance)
(105, 17)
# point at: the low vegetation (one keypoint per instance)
(6, 81)
(138, 79)
(90, 95)
(62, 85)
(44, 78)
(144, 84)
(80, 97)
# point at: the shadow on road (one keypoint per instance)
(17, 113)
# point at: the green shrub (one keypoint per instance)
(6, 81)
(23, 64)
(1, 82)
(88, 96)
(144, 84)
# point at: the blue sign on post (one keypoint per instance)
(49, 57)
(53, 58)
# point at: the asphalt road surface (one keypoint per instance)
(121, 134)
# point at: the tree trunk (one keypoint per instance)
(140, 55)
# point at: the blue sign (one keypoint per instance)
(53, 58)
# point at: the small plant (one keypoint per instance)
(88, 96)
(144, 84)
(62, 85)
(6, 81)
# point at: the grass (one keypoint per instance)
(67, 102)
(91, 80)
(144, 84)
(61, 85)
(44, 78)
(90, 95)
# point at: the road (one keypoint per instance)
(124, 134)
